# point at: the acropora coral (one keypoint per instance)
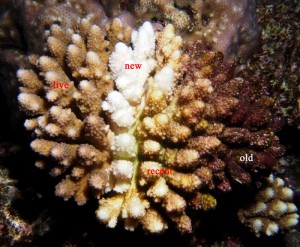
(273, 210)
(182, 109)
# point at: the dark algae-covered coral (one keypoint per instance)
(276, 63)
(13, 229)
(155, 114)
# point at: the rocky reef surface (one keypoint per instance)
(277, 59)
(146, 113)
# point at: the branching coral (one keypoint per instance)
(273, 210)
(117, 128)
(232, 119)
(38, 16)
(63, 116)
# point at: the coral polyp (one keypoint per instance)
(140, 101)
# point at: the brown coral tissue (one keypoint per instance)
(113, 101)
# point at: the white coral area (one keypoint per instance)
(134, 207)
(132, 83)
(124, 146)
(109, 210)
(121, 112)
(164, 79)
(135, 69)
(122, 171)
(130, 208)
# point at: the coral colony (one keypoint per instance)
(273, 209)
(152, 126)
